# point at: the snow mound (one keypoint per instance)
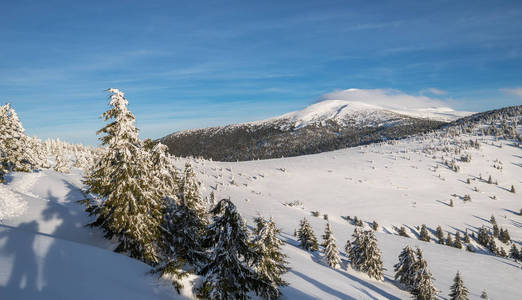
(11, 204)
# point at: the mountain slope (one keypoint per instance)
(324, 126)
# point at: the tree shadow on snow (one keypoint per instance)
(322, 286)
(22, 282)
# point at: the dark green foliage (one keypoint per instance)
(514, 253)
(375, 226)
(404, 271)
(402, 232)
(449, 240)
(457, 243)
(185, 221)
(423, 288)
(458, 291)
(512, 189)
(483, 236)
(128, 206)
(270, 140)
(424, 235)
(306, 237)
(227, 273)
(504, 236)
(364, 254)
(440, 235)
(331, 253)
(269, 261)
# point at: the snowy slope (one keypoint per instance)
(46, 252)
(396, 184)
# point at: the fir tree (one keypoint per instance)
(364, 254)
(514, 253)
(466, 237)
(269, 262)
(403, 269)
(440, 235)
(126, 206)
(424, 235)
(423, 288)
(185, 219)
(306, 237)
(458, 291)
(512, 189)
(375, 226)
(227, 274)
(492, 246)
(331, 253)
(504, 236)
(496, 232)
(457, 243)
(483, 236)
(492, 220)
(484, 295)
(61, 164)
(16, 149)
(449, 240)
(402, 232)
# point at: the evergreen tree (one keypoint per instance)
(483, 236)
(492, 246)
(402, 232)
(484, 295)
(512, 189)
(306, 237)
(424, 235)
(16, 148)
(440, 235)
(126, 206)
(364, 254)
(449, 240)
(269, 261)
(403, 269)
(496, 232)
(492, 220)
(457, 243)
(62, 164)
(466, 237)
(185, 218)
(504, 236)
(458, 291)
(423, 288)
(227, 273)
(514, 253)
(375, 226)
(331, 253)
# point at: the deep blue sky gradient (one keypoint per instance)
(186, 64)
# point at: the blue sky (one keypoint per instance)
(186, 64)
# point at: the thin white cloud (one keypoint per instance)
(514, 91)
(387, 98)
(433, 91)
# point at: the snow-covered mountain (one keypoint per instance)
(324, 126)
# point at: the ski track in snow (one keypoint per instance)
(11, 204)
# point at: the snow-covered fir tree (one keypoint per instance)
(186, 219)
(61, 163)
(331, 253)
(364, 254)
(458, 291)
(269, 261)
(423, 288)
(306, 237)
(514, 253)
(404, 268)
(126, 204)
(16, 149)
(424, 235)
(228, 274)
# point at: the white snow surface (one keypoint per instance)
(46, 252)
